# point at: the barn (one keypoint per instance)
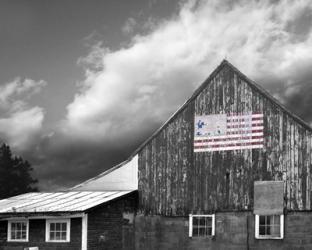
(231, 169)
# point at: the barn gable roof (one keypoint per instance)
(221, 66)
(250, 82)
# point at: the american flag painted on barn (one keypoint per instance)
(222, 132)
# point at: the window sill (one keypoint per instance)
(269, 238)
(17, 240)
(58, 241)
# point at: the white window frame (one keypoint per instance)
(201, 215)
(9, 239)
(258, 236)
(47, 235)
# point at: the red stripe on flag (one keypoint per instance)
(229, 139)
(229, 145)
(245, 125)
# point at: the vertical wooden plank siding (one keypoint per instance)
(175, 181)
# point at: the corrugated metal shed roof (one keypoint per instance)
(57, 201)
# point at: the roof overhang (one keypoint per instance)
(69, 203)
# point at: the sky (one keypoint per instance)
(83, 83)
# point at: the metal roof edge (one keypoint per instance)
(106, 172)
(55, 211)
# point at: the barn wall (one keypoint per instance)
(175, 181)
(37, 237)
(234, 231)
(164, 166)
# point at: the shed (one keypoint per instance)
(66, 220)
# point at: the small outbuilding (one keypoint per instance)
(69, 220)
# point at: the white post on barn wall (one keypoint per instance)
(213, 230)
(190, 225)
(84, 232)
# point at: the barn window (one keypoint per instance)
(201, 225)
(269, 226)
(58, 230)
(18, 230)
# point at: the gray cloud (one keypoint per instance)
(20, 124)
(157, 71)
(129, 92)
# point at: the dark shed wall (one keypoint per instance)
(107, 229)
(175, 181)
(37, 236)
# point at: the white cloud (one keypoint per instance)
(146, 81)
(9, 92)
(20, 123)
(21, 126)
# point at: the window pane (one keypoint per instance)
(13, 235)
(52, 226)
(195, 221)
(275, 231)
(18, 235)
(24, 235)
(57, 226)
(64, 226)
(57, 235)
(276, 220)
(209, 221)
(261, 220)
(195, 231)
(202, 231)
(63, 235)
(52, 236)
(24, 226)
(202, 221)
(209, 231)
(269, 219)
(261, 230)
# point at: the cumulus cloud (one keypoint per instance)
(20, 123)
(129, 92)
(133, 88)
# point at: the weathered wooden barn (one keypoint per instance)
(231, 169)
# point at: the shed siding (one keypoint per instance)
(175, 181)
(107, 229)
(37, 237)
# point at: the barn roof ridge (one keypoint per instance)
(251, 83)
(264, 92)
(223, 64)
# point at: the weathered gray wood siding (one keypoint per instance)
(175, 181)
